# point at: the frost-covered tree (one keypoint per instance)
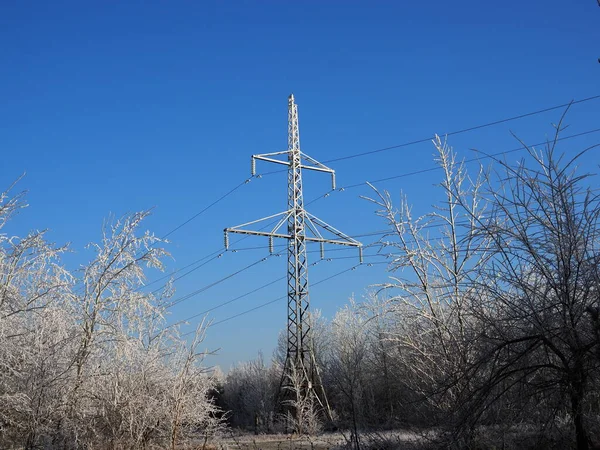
(346, 361)
(435, 260)
(250, 394)
(87, 359)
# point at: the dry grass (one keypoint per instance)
(326, 441)
(279, 442)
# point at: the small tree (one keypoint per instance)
(303, 413)
(348, 353)
(250, 392)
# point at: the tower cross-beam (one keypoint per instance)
(300, 379)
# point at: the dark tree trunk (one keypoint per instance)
(577, 392)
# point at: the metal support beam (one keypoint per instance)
(300, 380)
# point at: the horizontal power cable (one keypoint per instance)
(466, 130)
(214, 255)
(239, 297)
(386, 255)
(215, 283)
(454, 133)
(478, 158)
(435, 168)
(270, 283)
(382, 179)
(181, 225)
(381, 233)
(189, 271)
(199, 213)
(282, 297)
(430, 169)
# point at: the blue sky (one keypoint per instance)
(114, 107)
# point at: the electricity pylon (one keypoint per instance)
(300, 378)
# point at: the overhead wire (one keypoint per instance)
(434, 168)
(221, 198)
(381, 232)
(218, 253)
(246, 294)
(214, 255)
(203, 289)
(453, 133)
(178, 227)
(386, 255)
(281, 297)
(188, 272)
(214, 283)
(314, 284)
(464, 130)
(239, 297)
(169, 275)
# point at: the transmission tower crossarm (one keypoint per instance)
(318, 166)
(332, 230)
(287, 236)
(284, 214)
(311, 226)
(318, 169)
(273, 160)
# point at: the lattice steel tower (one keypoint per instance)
(300, 379)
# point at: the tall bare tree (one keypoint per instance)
(541, 287)
(434, 259)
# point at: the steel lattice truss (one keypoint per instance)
(300, 379)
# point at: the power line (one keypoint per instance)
(220, 305)
(215, 283)
(434, 168)
(454, 133)
(465, 130)
(223, 197)
(270, 283)
(231, 191)
(265, 286)
(282, 297)
(189, 271)
(218, 253)
(484, 156)
(367, 234)
(214, 255)
(374, 233)
(386, 255)
(181, 225)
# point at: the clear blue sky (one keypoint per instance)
(114, 107)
